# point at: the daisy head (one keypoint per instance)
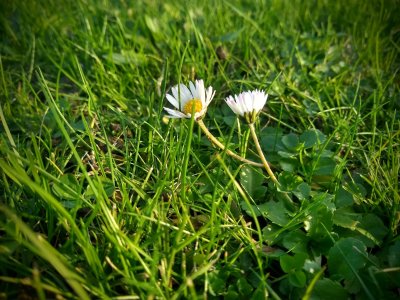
(248, 104)
(186, 101)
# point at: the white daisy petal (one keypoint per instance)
(201, 91)
(209, 94)
(172, 100)
(175, 93)
(194, 97)
(262, 100)
(248, 104)
(175, 113)
(242, 103)
(233, 105)
(185, 94)
(193, 90)
(211, 97)
(248, 101)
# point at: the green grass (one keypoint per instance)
(103, 197)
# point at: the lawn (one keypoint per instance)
(104, 196)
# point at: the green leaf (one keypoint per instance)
(321, 245)
(319, 221)
(302, 191)
(102, 183)
(356, 188)
(251, 209)
(311, 107)
(345, 217)
(393, 256)
(312, 137)
(217, 282)
(328, 289)
(288, 164)
(312, 266)
(295, 241)
(271, 139)
(199, 258)
(244, 287)
(275, 212)
(270, 232)
(252, 180)
(291, 141)
(343, 198)
(325, 166)
(369, 228)
(232, 294)
(261, 293)
(297, 278)
(229, 120)
(289, 181)
(289, 263)
(67, 188)
(285, 154)
(346, 257)
(374, 229)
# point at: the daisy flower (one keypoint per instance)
(248, 104)
(187, 100)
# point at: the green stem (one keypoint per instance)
(261, 154)
(220, 145)
(289, 201)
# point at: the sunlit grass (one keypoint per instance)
(104, 197)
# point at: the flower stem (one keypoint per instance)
(220, 145)
(287, 198)
(261, 154)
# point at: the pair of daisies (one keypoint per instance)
(195, 99)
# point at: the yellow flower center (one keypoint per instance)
(194, 104)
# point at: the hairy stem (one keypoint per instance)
(220, 145)
(261, 154)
